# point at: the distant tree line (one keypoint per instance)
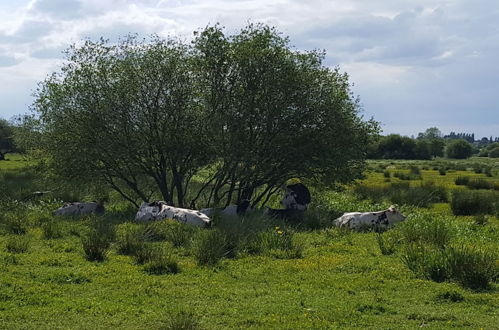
(431, 144)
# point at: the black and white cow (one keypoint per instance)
(376, 220)
(78, 208)
(295, 201)
(160, 210)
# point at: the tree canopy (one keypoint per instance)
(224, 118)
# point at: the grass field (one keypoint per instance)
(435, 270)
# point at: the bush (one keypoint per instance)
(17, 244)
(442, 171)
(469, 266)
(494, 153)
(97, 240)
(465, 202)
(210, 247)
(386, 174)
(459, 149)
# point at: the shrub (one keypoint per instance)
(442, 171)
(97, 240)
(17, 244)
(459, 149)
(210, 247)
(386, 174)
(182, 321)
(465, 202)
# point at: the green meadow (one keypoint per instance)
(438, 269)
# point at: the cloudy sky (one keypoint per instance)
(414, 64)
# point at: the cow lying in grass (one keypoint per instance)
(295, 201)
(160, 210)
(77, 208)
(375, 220)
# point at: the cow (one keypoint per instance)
(296, 196)
(375, 220)
(232, 210)
(295, 201)
(161, 210)
(80, 208)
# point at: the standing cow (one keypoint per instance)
(376, 220)
(160, 210)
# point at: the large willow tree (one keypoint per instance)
(241, 114)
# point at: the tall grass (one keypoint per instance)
(465, 202)
(422, 195)
(280, 243)
(423, 228)
(210, 247)
(18, 244)
(182, 321)
(156, 259)
(97, 240)
(471, 267)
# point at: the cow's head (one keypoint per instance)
(394, 215)
(296, 196)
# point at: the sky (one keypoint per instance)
(414, 64)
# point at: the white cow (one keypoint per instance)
(380, 219)
(160, 210)
(78, 208)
